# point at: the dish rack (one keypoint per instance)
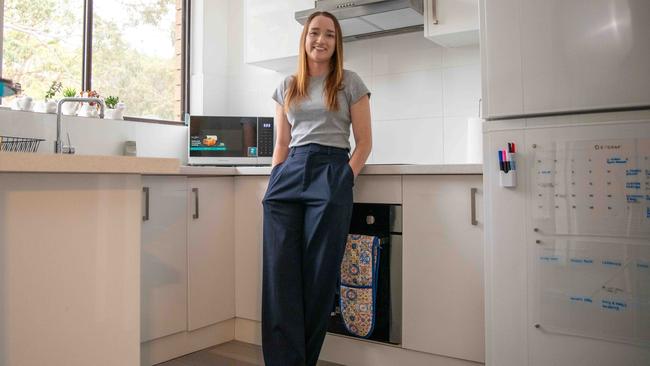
(19, 144)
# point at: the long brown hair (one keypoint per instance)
(299, 84)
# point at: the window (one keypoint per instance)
(42, 42)
(133, 49)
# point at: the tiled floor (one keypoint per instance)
(227, 354)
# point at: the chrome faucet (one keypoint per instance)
(59, 148)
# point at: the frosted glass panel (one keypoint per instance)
(598, 187)
(594, 288)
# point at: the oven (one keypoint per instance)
(385, 222)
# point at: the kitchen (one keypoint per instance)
(433, 90)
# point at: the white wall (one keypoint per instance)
(422, 94)
(92, 136)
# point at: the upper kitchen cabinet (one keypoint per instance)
(271, 33)
(451, 23)
(556, 56)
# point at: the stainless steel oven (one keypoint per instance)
(228, 140)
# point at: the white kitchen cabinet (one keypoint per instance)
(210, 247)
(69, 269)
(271, 33)
(451, 23)
(542, 57)
(163, 259)
(443, 267)
(249, 192)
(378, 189)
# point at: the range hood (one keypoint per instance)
(362, 19)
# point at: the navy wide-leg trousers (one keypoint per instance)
(307, 212)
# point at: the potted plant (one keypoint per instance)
(48, 105)
(114, 108)
(69, 108)
(89, 109)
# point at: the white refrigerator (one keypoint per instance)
(567, 256)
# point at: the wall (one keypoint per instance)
(92, 136)
(422, 94)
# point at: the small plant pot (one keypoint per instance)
(114, 113)
(50, 106)
(87, 110)
(39, 107)
(22, 103)
(47, 106)
(70, 108)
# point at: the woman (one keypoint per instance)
(308, 203)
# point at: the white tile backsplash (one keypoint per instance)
(215, 96)
(94, 136)
(165, 141)
(461, 91)
(404, 53)
(409, 141)
(460, 56)
(358, 57)
(455, 140)
(407, 95)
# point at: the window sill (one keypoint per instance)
(126, 118)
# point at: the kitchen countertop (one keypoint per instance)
(53, 163)
(11, 162)
(371, 169)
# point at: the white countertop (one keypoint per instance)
(57, 163)
(11, 162)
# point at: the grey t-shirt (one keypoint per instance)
(312, 122)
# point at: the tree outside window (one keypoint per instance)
(136, 50)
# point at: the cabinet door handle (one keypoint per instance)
(473, 204)
(145, 190)
(434, 15)
(196, 203)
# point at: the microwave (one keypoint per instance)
(220, 140)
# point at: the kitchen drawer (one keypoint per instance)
(378, 189)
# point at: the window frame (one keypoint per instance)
(86, 76)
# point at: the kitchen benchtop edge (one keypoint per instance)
(371, 169)
(13, 162)
(55, 163)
